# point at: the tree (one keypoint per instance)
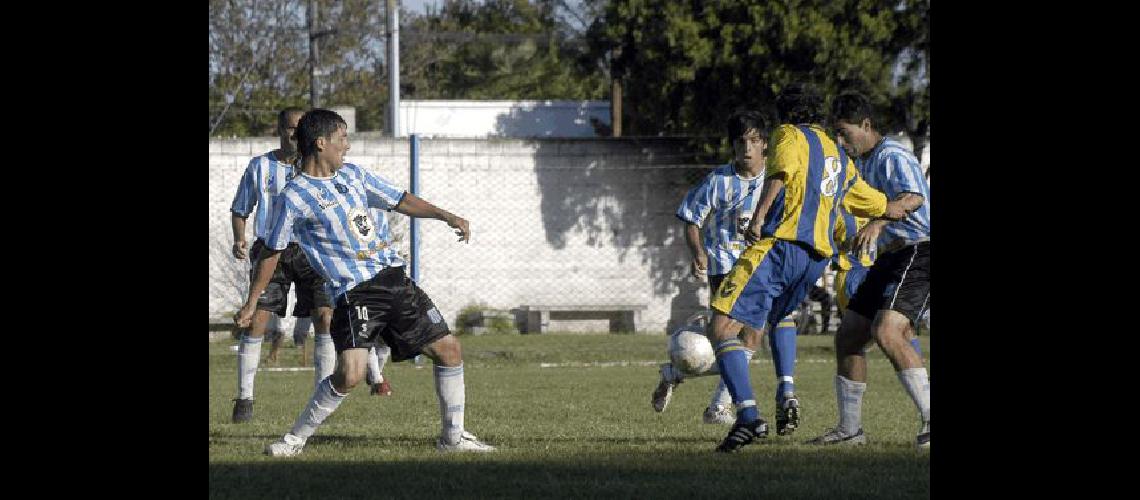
(687, 64)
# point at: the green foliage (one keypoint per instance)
(480, 315)
(688, 64)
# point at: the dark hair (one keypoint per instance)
(851, 107)
(743, 120)
(800, 103)
(314, 124)
(283, 116)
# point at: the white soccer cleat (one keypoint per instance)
(467, 442)
(287, 446)
(923, 439)
(719, 414)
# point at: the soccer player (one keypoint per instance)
(263, 181)
(727, 197)
(790, 243)
(896, 290)
(325, 209)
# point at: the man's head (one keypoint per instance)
(286, 125)
(800, 103)
(748, 133)
(323, 134)
(851, 116)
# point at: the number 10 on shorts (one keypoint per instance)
(362, 320)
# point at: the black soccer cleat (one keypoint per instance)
(788, 416)
(743, 434)
(243, 410)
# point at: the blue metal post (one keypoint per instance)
(415, 189)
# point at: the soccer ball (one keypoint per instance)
(690, 351)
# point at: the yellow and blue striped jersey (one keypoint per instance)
(818, 177)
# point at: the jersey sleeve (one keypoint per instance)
(285, 214)
(698, 202)
(861, 199)
(246, 197)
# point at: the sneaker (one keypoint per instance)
(836, 436)
(743, 434)
(287, 446)
(719, 414)
(243, 410)
(923, 439)
(664, 391)
(467, 442)
(788, 416)
(382, 389)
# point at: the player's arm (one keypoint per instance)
(244, 201)
(414, 206)
(265, 268)
(700, 263)
(869, 234)
(279, 236)
(695, 207)
(771, 188)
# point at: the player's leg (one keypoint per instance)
(275, 336)
(418, 327)
(909, 292)
(271, 301)
(301, 327)
(356, 322)
(782, 342)
(313, 298)
(377, 358)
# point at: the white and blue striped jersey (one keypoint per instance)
(893, 169)
(731, 199)
(262, 182)
(334, 221)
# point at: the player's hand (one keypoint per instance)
(244, 317)
(865, 239)
(895, 210)
(239, 250)
(459, 224)
(700, 267)
(752, 235)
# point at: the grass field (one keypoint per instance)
(582, 428)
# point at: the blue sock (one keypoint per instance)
(783, 344)
(733, 364)
(917, 347)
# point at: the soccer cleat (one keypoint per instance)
(923, 439)
(788, 416)
(719, 414)
(287, 446)
(382, 389)
(743, 434)
(243, 410)
(664, 391)
(836, 436)
(467, 442)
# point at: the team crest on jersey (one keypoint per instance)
(327, 198)
(362, 225)
(341, 188)
(831, 170)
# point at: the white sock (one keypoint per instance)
(721, 395)
(374, 376)
(324, 357)
(325, 400)
(249, 355)
(850, 398)
(917, 384)
(301, 330)
(452, 394)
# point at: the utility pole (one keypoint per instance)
(615, 92)
(393, 11)
(314, 55)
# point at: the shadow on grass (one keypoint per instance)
(758, 471)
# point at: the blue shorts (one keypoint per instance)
(768, 281)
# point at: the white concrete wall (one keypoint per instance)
(553, 221)
(482, 119)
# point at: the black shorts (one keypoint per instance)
(388, 306)
(293, 267)
(899, 281)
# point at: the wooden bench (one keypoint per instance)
(623, 317)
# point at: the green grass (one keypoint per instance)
(580, 431)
